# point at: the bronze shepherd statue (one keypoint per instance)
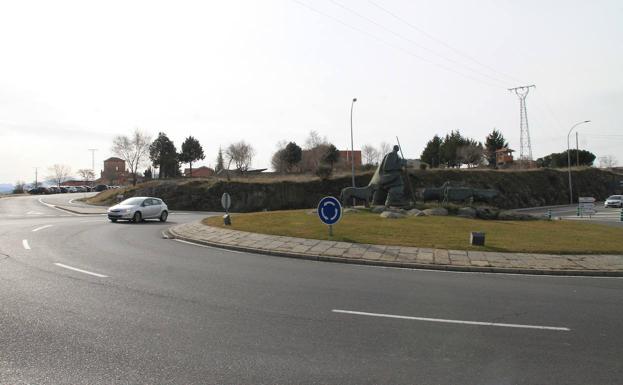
(386, 186)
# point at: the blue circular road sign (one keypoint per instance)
(329, 210)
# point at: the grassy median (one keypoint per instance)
(557, 237)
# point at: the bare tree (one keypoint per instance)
(20, 187)
(370, 154)
(314, 140)
(471, 154)
(59, 173)
(134, 150)
(384, 149)
(607, 161)
(86, 174)
(241, 154)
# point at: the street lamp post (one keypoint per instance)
(352, 146)
(569, 160)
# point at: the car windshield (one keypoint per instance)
(132, 201)
(615, 197)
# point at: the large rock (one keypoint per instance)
(466, 212)
(487, 212)
(415, 213)
(436, 211)
(377, 209)
(509, 215)
(392, 214)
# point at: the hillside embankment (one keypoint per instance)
(517, 189)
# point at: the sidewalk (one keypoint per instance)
(399, 256)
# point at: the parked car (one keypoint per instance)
(53, 190)
(38, 191)
(100, 187)
(614, 201)
(137, 209)
(80, 189)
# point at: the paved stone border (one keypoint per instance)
(399, 256)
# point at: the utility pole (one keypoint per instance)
(525, 148)
(352, 146)
(36, 182)
(569, 159)
(93, 162)
(93, 158)
(577, 151)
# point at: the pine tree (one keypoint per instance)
(220, 163)
(292, 155)
(163, 155)
(191, 151)
(432, 152)
(494, 142)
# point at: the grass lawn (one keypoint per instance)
(557, 237)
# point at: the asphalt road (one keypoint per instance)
(160, 311)
(610, 216)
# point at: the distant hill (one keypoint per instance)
(6, 188)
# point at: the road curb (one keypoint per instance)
(74, 211)
(170, 233)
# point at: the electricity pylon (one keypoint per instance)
(525, 148)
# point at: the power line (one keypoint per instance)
(395, 46)
(459, 52)
(503, 82)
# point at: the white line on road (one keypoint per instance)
(80, 270)
(41, 228)
(25, 244)
(56, 208)
(452, 321)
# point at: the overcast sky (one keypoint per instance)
(75, 74)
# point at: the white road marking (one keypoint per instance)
(56, 208)
(41, 228)
(25, 244)
(34, 213)
(555, 328)
(80, 270)
(209, 247)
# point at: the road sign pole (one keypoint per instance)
(329, 212)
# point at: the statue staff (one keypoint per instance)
(407, 179)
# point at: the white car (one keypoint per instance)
(138, 209)
(614, 201)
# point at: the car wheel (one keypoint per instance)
(163, 216)
(113, 220)
(137, 217)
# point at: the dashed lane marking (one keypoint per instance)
(25, 244)
(80, 270)
(41, 228)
